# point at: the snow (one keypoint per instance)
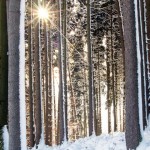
(139, 68)
(114, 141)
(5, 138)
(145, 144)
(22, 78)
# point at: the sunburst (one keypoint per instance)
(43, 13)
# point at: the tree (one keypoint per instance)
(147, 3)
(61, 91)
(13, 75)
(48, 84)
(30, 73)
(65, 63)
(131, 79)
(91, 100)
(38, 120)
(3, 65)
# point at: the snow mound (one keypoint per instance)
(145, 144)
(115, 141)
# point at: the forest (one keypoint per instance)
(71, 69)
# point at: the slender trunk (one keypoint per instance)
(61, 104)
(48, 84)
(38, 128)
(116, 93)
(148, 45)
(145, 52)
(99, 94)
(30, 73)
(112, 59)
(91, 101)
(65, 64)
(120, 20)
(108, 91)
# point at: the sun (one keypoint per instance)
(43, 13)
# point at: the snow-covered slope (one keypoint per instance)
(145, 144)
(115, 141)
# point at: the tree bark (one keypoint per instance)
(131, 79)
(91, 99)
(30, 50)
(13, 75)
(61, 104)
(148, 44)
(38, 128)
(3, 65)
(65, 63)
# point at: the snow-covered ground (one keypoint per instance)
(115, 141)
(145, 144)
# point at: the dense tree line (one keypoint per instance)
(73, 45)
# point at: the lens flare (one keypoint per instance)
(43, 13)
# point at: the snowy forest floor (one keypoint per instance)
(115, 141)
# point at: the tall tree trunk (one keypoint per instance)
(30, 50)
(120, 20)
(3, 65)
(91, 99)
(61, 98)
(113, 74)
(38, 122)
(13, 75)
(143, 61)
(99, 95)
(108, 90)
(48, 74)
(131, 79)
(148, 44)
(65, 63)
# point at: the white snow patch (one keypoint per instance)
(139, 68)
(5, 138)
(145, 144)
(22, 77)
(104, 41)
